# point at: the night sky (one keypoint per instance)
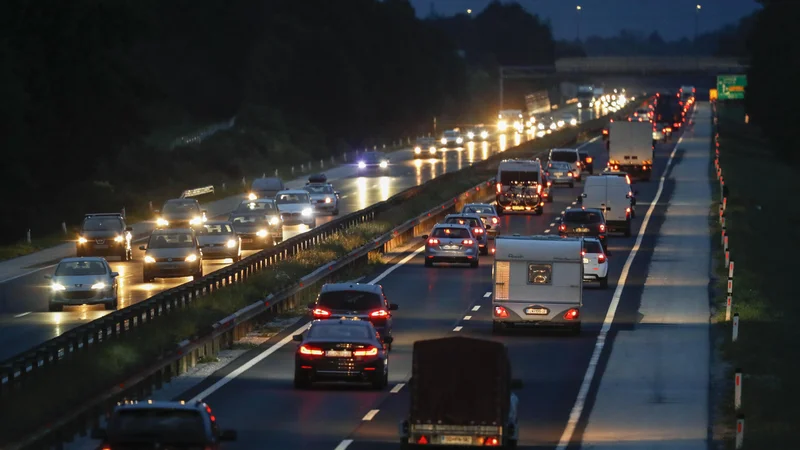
(673, 19)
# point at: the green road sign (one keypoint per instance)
(731, 87)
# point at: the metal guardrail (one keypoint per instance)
(228, 330)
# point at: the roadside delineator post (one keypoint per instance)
(123, 213)
(730, 287)
(724, 204)
(728, 306)
(28, 236)
(725, 248)
(64, 227)
(739, 431)
(737, 389)
(150, 203)
(727, 258)
(735, 328)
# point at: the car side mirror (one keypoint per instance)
(228, 435)
(583, 195)
(142, 247)
(424, 236)
(48, 277)
(99, 433)
(516, 384)
(129, 229)
(297, 338)
(393, 307)
(388, 340)
(114, 274)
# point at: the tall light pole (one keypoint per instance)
(696, 24)
(578, 20)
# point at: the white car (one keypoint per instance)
(295, 208)
(595, 262)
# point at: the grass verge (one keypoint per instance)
(763, 294)
(22, 248)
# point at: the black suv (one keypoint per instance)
(584, 222)
(105, 235)
(587, 161)
(355, 301)
(168, 425)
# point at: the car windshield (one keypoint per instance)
(569, 157)
(371, 157)
(250, 219)
(464, 221)
(451, 233)
(479, 209)
(80, 268)
(592, 247)
(257, 206)
(451, 134)
(582, 217)
(171, 425)
(98, 224)
(509, 177)
(215, 228)
(180, 207)
(319, 189)
(289, 199)
(326, 331)
(171, 240)
(350, 300)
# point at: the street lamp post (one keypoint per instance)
(578, 21)
(696, 24)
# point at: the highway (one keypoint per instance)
(262, 405)
(26, 322)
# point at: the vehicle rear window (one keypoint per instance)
(174, 424)
(350, 300)
(592, 247)
(325, 331)
(292, 199)
(102, 224)
(267, 184)
(80, 268)
(582, 217)
(509, 177)
(479, 209)
(451, 233)
(464, 221)
(569, 157)
(540, 273)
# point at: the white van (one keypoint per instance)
(567, 155)
(538, 280)
(612, 195)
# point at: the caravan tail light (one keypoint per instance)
(499, 189)
(562, 227)
(499, 311)
(478, 230)
(627, 213)
(422, 440)
(601, 258)
(589, 160)
(572, 314)
(491, 442)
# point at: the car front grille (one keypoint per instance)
(78, 295)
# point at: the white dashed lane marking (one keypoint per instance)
(371, 414)
(458, 328)
(22, 315)
(477, 307)
(546, 231)
(344, 444)
(397, 388)
(467, 317)
(487, 295)
(553, 224)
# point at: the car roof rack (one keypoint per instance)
(103, 215)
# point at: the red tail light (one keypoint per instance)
(309, 350)
(572, 314)
(478, 230)
(499, 311)
(422, 440)
(601, 258)
(320, 313)
(547, 173)
(627, 213)
(499, 187)
(589, 160)
(583, 252)
(562, 227)
(433, 241)
(379, 313)
(602, 227)
(491, 442)
(369, 351)
(538, 188)
(467, 242)
(494, 220)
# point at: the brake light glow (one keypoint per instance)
(601, 258)
(499, 189)
(433, 241)
(369, 351)
(538, 188)
(547, 173)
(379, 313)
(572, 314)
(319, 313)
(467, 242)
(478, 230)
(499, 311)
(491, 442)
(602, 227)
(562, 227)
(422, 440)
(589, 160)
(308, 350)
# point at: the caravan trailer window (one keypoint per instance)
(540, 273)
(508, 178)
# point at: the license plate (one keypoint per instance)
(350, 318)
(450, 247)
(457, 440)
(536, 311)
(586, 260)
(582, 230)
(338, 353)
(246, 241)
(559, 174)
(101, 246)
(518, 208)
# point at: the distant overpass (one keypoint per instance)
(648, 65)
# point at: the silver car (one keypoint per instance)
(452, 243)
(487, 213)
(83, 281)
(219, 240)
(295, 208)
(560, 173)
(172, 253)
(476, 224)
(324, 198)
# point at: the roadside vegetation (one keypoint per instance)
(763, 291)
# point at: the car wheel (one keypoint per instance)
(511, 444)
(604, 283)
(147, 278)
(380, 381)
(539, 211)
(628, 229)
(572, 185)
(497, 327)
(474, 264)
(484, 251)
(336, 212)
(428, 263)
(575, 330)
(54, 307)
(301, 380)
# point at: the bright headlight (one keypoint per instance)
(573, 122)
(162, 222)
(553, 126)
(99, 286)
(362, 165)
(328, 200)
(57, 287)
(580, 105)
(274, 221)
(443, 141)
(459, 140)
(191, 258)
(560, 123)
(541, 126)
(231, 243)
(432, 150)
(252, 196)
(119, 239)
(470, 135)
(485, 134)
(384, 164)
(149, 259)
(196, 221)
(417, 150)
(502, 125)
(82, 240)
(306, 212)
(261, 233)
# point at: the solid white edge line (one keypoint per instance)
(589, 141)
(397, 388)
(27, 273)
(21, 315)
(275, 347)
(344, 444)
(370, 415)
(577, 409)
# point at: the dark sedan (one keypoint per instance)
(583, 222)
(587, 162)
(355, 301)
(341, 350)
